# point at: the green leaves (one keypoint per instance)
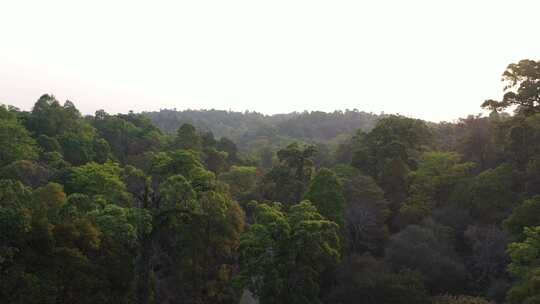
(99, 180)
(326, 193)
(176, 192)
(175, 162)
(527, 214)
(241, 180)
(284, 254)
(521, 88)
(15, 142)
(525, 267)
(286, 182)
(187, 138)
(123, 225)
(432, 184)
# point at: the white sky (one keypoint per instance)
(436, 60)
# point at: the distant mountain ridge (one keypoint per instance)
(245, 127)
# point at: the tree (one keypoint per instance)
(28, 172)
(287, 181)
(478, 144)
(15, 143)
(448, 299)
(215, 161)
(201, 248)
(187, 138)
(128, 136)
(226, 145)
(102, 180)
(522, 135)
(241, 180)
(283, 254)
(366, 212)
(368, 280)
(50, 118)
(432, 185)
(195, 231)
(394, 180)
(532, 177)
(102, 150)
(488, 260)
(50, 197)
(394, 137)
(524, 268)
(182, 162)
(527, 214)
(521, 88)
(428, 250)
(492, 194)
(326, 193)
(78, 149)
(49, 144)
(389, 152)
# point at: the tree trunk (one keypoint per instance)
(144, 265)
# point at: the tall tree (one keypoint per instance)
(366, 212)
(187, 138)
(525, 258)
(287, 181)
(368, 280)
(527, 214)
(326, 193)
(521, 88)
(432, 185)
(16, 142)
(284, 254)
(429, 251)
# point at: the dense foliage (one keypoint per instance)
(346, 207)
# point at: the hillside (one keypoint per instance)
(243, 128)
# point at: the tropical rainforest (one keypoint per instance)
(208, 206)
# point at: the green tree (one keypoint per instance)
(448, 299)
(283, 254)
(287, 181)
(202, 246)
(128, 136)
(527, 214)
(102, 180)
(366, 212)
(394, 180)
(78, 148)
(478, 143)
(524, 268)
(187, 138)
(51, 118)
(432, 184)
(182, 162)
(326, 194)
(429, 251)
(487, 260)
(49, 144)
(520, 89)
(215, 161)
(15, 143)
(365, 279)
(492, 195)
(195, 230)
(394, 137)
(241, 180)
(28, 172)
(226, 145)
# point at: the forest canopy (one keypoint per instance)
(227, 207)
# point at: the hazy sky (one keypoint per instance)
(432, 59)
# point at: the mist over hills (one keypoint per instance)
(245, 127)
